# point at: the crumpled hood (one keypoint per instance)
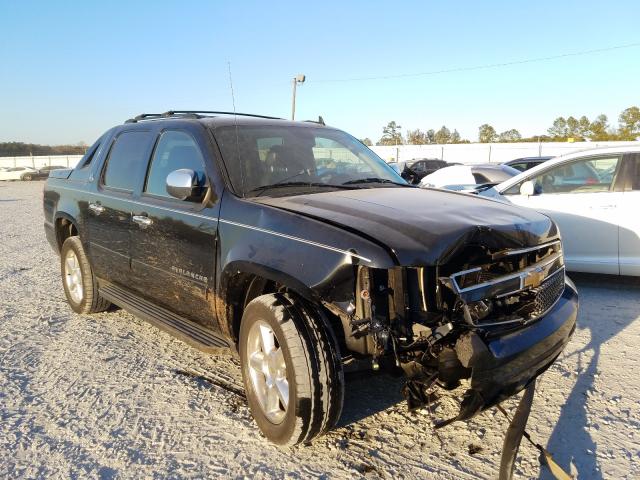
(423, 226)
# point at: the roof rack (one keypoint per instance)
(191, 114)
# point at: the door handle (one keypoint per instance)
(142, 220)
(96, 208)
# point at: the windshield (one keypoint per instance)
(267, 159)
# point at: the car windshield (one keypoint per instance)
(286, 160)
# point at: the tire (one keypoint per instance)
(27, 177)
(79, 282)
(315, 379)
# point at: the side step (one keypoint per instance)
(189, 332)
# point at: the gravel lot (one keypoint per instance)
(101, 396)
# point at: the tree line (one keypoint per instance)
(562, 130)
(19, 149)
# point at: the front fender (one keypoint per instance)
(316, 260)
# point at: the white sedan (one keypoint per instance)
(467, 177)
(18, 173)
(594, 197)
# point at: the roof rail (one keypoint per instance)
(320, 121)
(191, 114)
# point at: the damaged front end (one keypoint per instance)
(495, 318)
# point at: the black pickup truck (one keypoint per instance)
(294, 245)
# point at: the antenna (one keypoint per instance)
(235, 121)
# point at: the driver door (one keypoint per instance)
(578, 195)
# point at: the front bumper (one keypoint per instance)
(503, 366)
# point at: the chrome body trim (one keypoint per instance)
(296, 239)
(538, 272)
(533, 249)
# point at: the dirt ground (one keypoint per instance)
(102, 396)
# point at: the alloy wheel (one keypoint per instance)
(268, 371)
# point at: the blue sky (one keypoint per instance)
(70, 70)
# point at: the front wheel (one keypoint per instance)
(27, 177)
(291, 368)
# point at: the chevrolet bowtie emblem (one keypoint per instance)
(534, 278)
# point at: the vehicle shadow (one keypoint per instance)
(368, 393)
(570, 442)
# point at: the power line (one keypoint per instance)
(480, 67)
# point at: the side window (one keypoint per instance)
(175, 150)
(418, 167)
(587, 175)
(519, 166)
(128, 151)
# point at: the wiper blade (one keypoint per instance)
(296, 184)
(375, 180)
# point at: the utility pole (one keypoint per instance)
(298, 79)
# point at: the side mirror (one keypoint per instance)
(182, 184)
(527, 188)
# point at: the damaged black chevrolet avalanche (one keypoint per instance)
(294, 244)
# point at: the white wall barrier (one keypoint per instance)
(41, 161)
(486, 152)
(461, 153)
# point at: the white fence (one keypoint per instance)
(41, 161)
(485, 152)
(462, 153)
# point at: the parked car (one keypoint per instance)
(18, 173)
(224, 230)
(526, 163)
(424, 166)
(468, 177)
(593, 196)
(44, 171)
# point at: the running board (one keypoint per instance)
(189, 332)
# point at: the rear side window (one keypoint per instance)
(128, 151)
(175, 150)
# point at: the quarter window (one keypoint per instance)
(88, 157)
(128, 151)
(174, 151)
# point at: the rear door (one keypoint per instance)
(580, 197)
(629, 215)
(108, 210)
(174, 241)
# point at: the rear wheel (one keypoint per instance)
(27, 177)
(79, 282)
(291, 369)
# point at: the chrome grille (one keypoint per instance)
(547, 294)
(493, 280)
